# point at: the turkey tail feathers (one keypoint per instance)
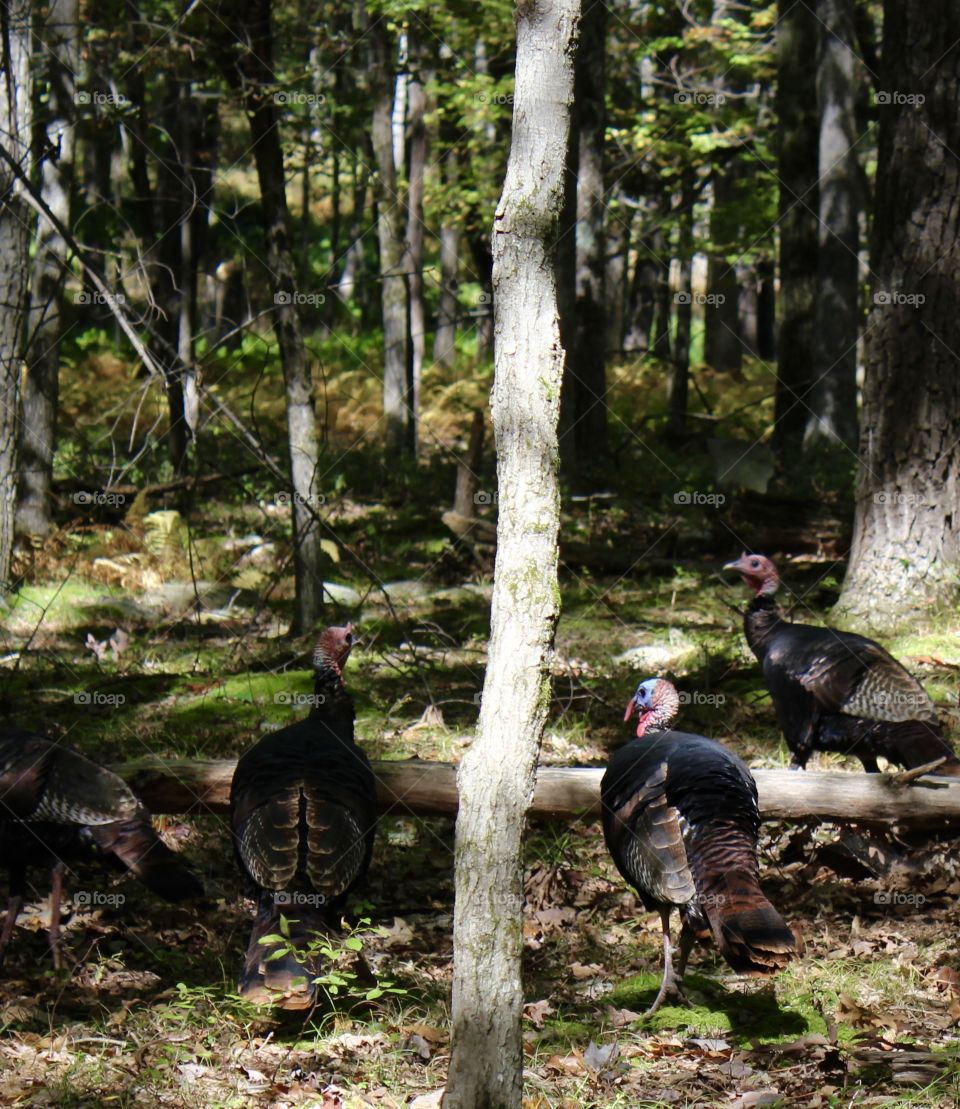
(751, 935)
(135, 844)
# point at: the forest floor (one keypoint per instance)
(161, 630)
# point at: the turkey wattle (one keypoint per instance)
(56, 805)
(835, 690)
(303, 813)
(680, 819)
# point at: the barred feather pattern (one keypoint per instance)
(681, 821)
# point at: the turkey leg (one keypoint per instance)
(670, 986)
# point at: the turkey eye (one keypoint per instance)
(754, 562)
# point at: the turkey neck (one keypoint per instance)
(332, 698)
(762, 618)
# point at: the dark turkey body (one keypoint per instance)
(839, 691)
(303, 809)
(681, 821)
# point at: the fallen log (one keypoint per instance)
(195, 786)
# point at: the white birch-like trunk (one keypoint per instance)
(15, 223)
(496, 777)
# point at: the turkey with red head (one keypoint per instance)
(303, 812)
(680, 819)
(838, 691)
(58, 806)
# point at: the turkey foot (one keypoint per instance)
(670, 986)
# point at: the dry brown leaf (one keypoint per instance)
(580, 971)
(537, 1011)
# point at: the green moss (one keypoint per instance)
(759, 1014)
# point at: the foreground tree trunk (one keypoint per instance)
(497, 775)
(42, 380)
(798, 206)
(15, 223)
(253, 72)
(906, 545)
(832, 401)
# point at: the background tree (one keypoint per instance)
(15, 225)
(248, 64)
(906, 546)
(797, 154)
(60, 59)
(832, 399)
(496, 775)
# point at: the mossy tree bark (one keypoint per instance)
(497, 775)
(15, 223)
(906, 543)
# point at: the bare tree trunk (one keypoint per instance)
(444, 341)
(252, 71)
(798, 206)
(41, 383)
(416, 107)
(496, 777)
(723, 348)
(15, 223)
(680, 373)
(588, 356)
(832, 402)
(394, 295)
(906, 545)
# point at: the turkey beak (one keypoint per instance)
(631, 705)
(733, 565)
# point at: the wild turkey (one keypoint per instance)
(838, 691)
(57, 805)
(303, 812)
(680, 819)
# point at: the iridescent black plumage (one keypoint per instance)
(303, 812)
(56, 805)
(838, 691)
(680, 819)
